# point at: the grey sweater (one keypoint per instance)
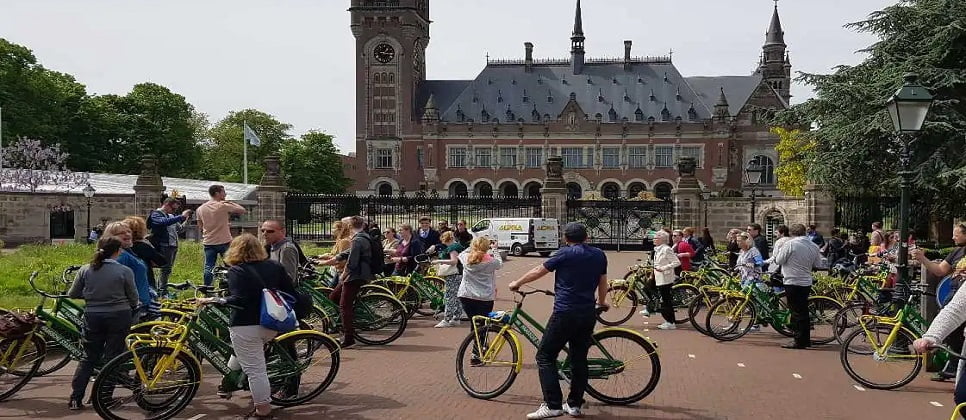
(479, 280)
(108, 289)
(798, 256)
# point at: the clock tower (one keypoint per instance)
(391, 39)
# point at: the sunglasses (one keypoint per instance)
(268, 231)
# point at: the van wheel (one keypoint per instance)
(517, 250)
(545, 254)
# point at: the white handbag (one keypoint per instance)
(446, 270)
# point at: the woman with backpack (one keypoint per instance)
(451, 270)
(250, 271)
(110, 298)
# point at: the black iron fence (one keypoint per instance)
(310, 216)
(620, 224)
(857, 213)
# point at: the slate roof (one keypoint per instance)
(605, 88)
(195, 190)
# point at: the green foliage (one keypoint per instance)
(312, 165)
(223, 161)
(793, 160)
(855, 149)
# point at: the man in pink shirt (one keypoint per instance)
(213, 222)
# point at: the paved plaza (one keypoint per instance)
(414, 378)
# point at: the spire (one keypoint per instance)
(775, 33)
(721, 108)
(577, 43)
(431, 113)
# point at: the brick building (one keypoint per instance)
(619, 124)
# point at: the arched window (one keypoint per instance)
(457, 189)
(635, 188)
(509, 189)
(574, 191)
(384, 189)
(772, 220)
(663, 190)
(533, 189)
(610, 191)
(376, 79)
(392, 78)
(768, 166)
(483, 189)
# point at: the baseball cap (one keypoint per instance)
(575, 232)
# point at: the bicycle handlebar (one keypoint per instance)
(33, 284)
(534, 291)
(949, 351)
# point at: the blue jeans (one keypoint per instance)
(211, 256)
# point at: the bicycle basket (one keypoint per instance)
(14, 325)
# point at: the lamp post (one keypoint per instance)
(908, 108)
(705, 196)
(89, 195)
(753, 178)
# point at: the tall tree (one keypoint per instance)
(855, 149)
(223, 149)
(312, 165)
(794, 152)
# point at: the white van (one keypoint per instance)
(521, 235)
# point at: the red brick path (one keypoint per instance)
(414, 378)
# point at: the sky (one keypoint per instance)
(294, 59)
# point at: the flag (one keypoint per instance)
(251, 137)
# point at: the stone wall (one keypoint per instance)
(25, 217)
(724, 214)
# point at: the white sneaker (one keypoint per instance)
(454, 322)
(572, 411)
(544, 412)
(667, 326)
(645, 313)
(443, 324)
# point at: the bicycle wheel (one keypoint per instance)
(869, 364)
(301, 366)
(492, 376)
(682, 295)
(697, 311)
(119, 385)
(623, 305)
(821, 313)
(317, 320)
(731, 318)
(426, 305)
(379, 319)
(623, 367)
(406, 294)
(32, 349)
(847, 319)
(782, 325)
(55, 357)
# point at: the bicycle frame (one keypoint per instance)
(907, 318)
(12, 355)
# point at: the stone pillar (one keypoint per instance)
(819, 208)
(554, 192)
(147, 188)
(270, 192)
(687, 196)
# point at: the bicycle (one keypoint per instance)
(380, 318)
(21, 355)
(886, 342)
(141, 374)
(759, 305)
(495, 339)
(959, 412)
(637, 288)
(420, 293)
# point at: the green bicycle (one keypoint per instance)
(733, 316)
(21, 355)
(420, 293)
(624, 295)
(380, 318)
(623, 365)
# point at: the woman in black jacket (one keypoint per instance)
(251, 271)
(410, 246)
(143, 249)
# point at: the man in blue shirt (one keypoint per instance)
(580, 271)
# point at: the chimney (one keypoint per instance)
(627, 55)
(528, 61)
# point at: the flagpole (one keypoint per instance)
(244, 153)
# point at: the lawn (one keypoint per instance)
(51, 260)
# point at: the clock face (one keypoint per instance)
(384, 53)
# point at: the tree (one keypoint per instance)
(28, 164)
(223, 150)
(794, 152)
(312, 165)
(855, 148)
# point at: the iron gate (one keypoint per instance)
(620, 224)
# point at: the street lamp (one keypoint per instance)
(753, 177)
(908, 108)
(89, 195)
(705, 196)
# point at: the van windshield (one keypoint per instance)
(481, 225)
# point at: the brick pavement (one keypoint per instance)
(414, 378)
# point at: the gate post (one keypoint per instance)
(819, 208)
(148, 187)
(687, 195)
(553, 194)
(270, 192)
